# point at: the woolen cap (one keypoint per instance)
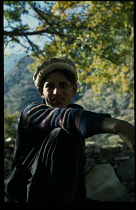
(53, 64)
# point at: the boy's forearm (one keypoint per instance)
(121, 128)
(126, 132)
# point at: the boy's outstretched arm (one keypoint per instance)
(121, 128)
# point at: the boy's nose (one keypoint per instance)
(56, 91)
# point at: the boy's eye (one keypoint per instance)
(49, 86)
(63, 84)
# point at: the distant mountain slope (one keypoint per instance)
(108, 101)
(19, 88)
(11, 61)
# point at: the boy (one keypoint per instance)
(49, 157)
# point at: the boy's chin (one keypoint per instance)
(59, 105)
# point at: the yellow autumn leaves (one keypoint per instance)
(104, 73)
(99, 40)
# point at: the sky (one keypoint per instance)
(33, 23)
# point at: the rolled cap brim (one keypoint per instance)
(51, 65)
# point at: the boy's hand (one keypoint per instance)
(126, 133)
(121, 128)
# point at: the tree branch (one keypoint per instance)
(18, 33)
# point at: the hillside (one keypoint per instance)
(19, 89)
(11, 61)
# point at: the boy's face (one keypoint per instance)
(57, 91)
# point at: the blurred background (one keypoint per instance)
(97, 35)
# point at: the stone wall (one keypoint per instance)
(8, 157)
(109, 172)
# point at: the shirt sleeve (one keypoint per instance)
(38, 119)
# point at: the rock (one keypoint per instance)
(97, 150)
(126, 198)
(102, 183)
(125, 170)
(122, 158)
(89, 163)
(89, 143)
(131, 186)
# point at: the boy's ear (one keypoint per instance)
(74, 89)
(40, 90)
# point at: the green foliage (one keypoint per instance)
(97, 35)
(9, 124)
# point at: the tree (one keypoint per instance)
(97, 35)
(10, 122)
